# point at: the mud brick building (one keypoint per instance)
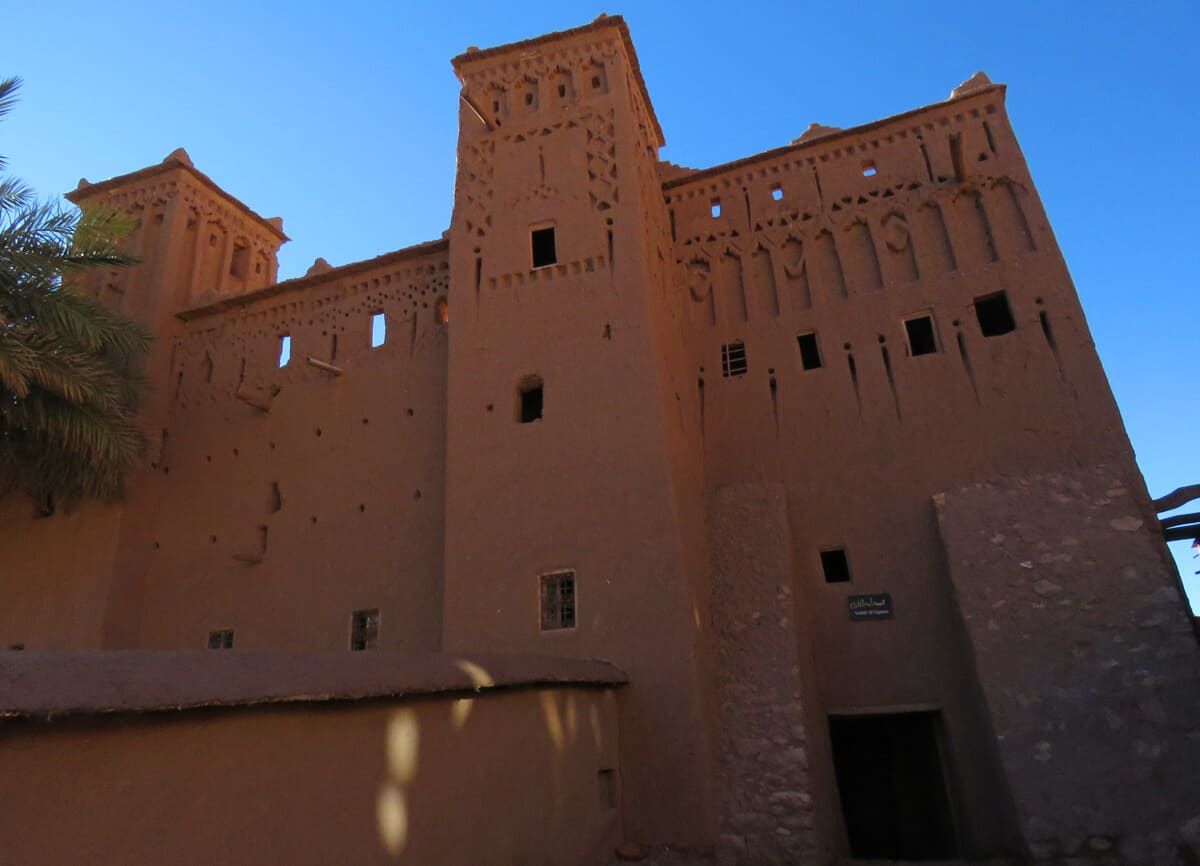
(813, 449)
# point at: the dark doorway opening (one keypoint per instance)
(892, 786)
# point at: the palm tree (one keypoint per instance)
(69, 381)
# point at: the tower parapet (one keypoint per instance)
(196, 241)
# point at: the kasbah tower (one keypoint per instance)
(813, 446)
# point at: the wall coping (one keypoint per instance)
(45, 684)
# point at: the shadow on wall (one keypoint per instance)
(398, 802)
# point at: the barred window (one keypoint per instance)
(221, 639)
(558, 600)
(733, 359)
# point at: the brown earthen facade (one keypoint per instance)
(814, 446)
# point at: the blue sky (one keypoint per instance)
(342, 120)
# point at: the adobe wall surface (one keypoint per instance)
(1087, 658)
(505, 777)
(559, 136)
(291, 496)
(53, 594)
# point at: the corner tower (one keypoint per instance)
(573, 522)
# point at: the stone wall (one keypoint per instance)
(1087, 660)
(766, 800)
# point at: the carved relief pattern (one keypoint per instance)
(820, 250)
(475, 174)
(602, 160)
(236, 356)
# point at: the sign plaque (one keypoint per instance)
(877, 605)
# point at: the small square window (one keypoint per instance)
(810, 351)
(529, 399)
(221, 639)
(543, 247)
(835, 565)
(868, 168)
(285, 349)
(777, 193)
(558, 600)
(364, 629)
(994, 314)
(716, 207)
(922, 338)
(733, 360)
(378, 329)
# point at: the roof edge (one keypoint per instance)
(474, 55)
(307, 281)
(87, 190)
(58, 684)
(826, 138)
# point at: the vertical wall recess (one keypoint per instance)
(831, 282)
(762, 282)
(795, 269)
(966, 361)
(861, 259)
(891, 378)
(703, 306)
(734, 288)
(931, 229)
(1012, 215)
(900, 250)
(853, 368)
(1048, 335)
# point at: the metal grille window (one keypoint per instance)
(558, 600)
(222, 639)
(733, 359)
(364, 629)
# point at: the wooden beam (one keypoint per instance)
(1176, 498)
(323, 365)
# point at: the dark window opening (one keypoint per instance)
(364, 629)
(835, 565)
(558, 600)
(892, 786)
(542, 244)
(222, 639)
(810, 351)
(529, 400)
(921, 337)
(733, 360)
(994, 314)
(608, 788)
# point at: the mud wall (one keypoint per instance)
(421, 781)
